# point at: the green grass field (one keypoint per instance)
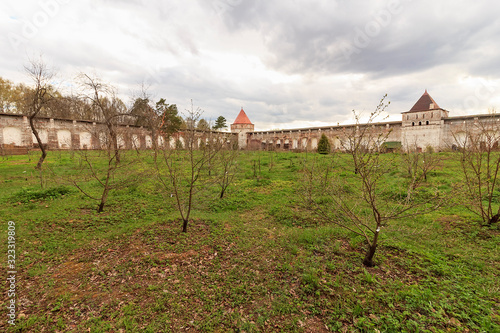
(254, 261)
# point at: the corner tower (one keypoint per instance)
(425, 112)
(242, 125)
(423, 125)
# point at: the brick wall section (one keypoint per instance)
(54, 133)
(306, 139)
(61, 133)
(16, 135)
(437, 133)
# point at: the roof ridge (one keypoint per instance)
(425, 103)
(242, 118)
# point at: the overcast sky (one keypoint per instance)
(293, 63)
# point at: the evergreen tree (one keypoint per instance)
(170, 121)
(203, 125)
(220, 123)
(324, 145)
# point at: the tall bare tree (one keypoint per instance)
(38, 97)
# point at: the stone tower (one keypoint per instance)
(242, 125)
(423, 125)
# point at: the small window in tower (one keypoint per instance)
(416, 116)
(427, 122)
(419, 123)
(423, 115)
(432, 114)
(413, 123)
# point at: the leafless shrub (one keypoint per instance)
(100, 167)
(226, 163)
(479, 155)
(184, 172)
(362, 201)
(417, 165)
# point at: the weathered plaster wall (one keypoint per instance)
(423, 136)
(64, 134)
(448, 132)
(432, 129)
(455, 128)
(15, 132)
(427, 129)
(305, 139)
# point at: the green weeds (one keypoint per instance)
(254, 261)
(27, 195)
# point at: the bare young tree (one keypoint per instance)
(359, 203)
(418, 164)
(108, 109)
(226, 164)
(182, 171)
(100, 167)
(430, 161)
(478, 142)
(38, 97)
(103, 166)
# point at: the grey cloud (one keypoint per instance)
(316, 36)
(425, 45)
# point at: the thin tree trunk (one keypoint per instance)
(494, 219)
(40, 144)
(42, 158)
(114, 141)
(100, 209)
(370, 253)
(103, 200)
(184, 225)
(105, 192)
(368, 261)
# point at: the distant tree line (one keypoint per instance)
(94, 101)
(18, 98)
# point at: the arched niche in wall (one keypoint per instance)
(149, 142)
(120, 140)
(314, 143)
(44, 136)
(12, 136)
(85, 140)
(136, 142)
(304, 143)
(64, 139)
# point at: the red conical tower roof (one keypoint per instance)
(425, 103)
(242, 118)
